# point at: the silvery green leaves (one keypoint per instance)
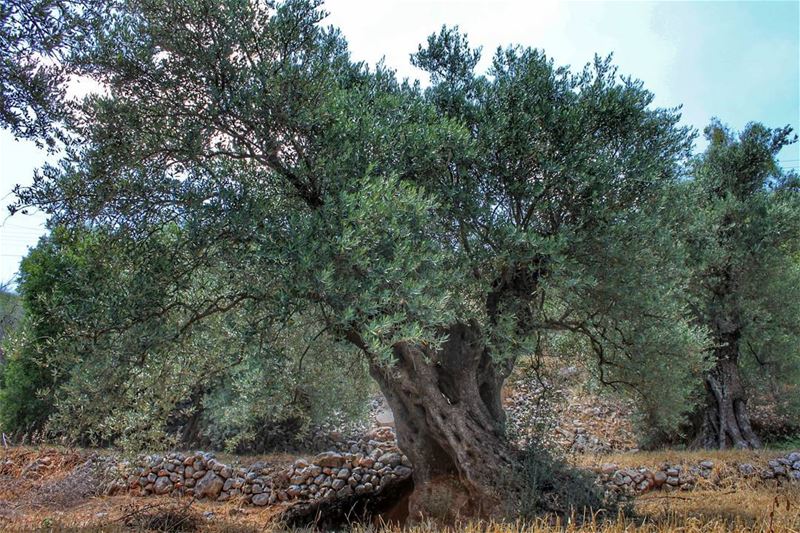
(377, 265)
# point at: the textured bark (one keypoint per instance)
(725, 422)
(449, 421)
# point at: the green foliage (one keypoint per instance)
(745, 247)
(32, 369)
(240, 174)
(316, 382)
(10, 316)
(37, 41)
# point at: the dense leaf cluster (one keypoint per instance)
(240, 189)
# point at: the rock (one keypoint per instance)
(402, 471)
(293, 491)
(608, 468)
(796, 465)
(344, 473)
(793, 457)
(261, 499)
(746, 469)
(344, 492)
(162, 485)
(623, 480)
(707, 464)
(338, 484)
(385, 480)
(209, 486)
(329, 459)
(391, 459)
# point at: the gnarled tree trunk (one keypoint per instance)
(449, 421)
(725, 421)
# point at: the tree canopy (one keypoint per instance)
(239, 176)
(745, 284)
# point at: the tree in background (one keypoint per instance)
(747, 286)
(10, 316)
(223, 386)
(32, 368)
(241, 172)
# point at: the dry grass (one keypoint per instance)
(762, 510)
(654, 459)
(748, 506)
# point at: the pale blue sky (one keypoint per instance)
(739, 61)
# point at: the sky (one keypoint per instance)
(738, 61)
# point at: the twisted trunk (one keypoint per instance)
(725, 421)
(450, 423)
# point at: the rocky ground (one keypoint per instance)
(564, 417)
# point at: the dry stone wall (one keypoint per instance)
(625, 483)
(371, 465)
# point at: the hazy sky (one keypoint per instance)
(739, 61)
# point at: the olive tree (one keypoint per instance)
(441, 232)
(746, 284)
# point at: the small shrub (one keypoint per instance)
(549, 485)
(170, 518)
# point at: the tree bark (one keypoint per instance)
(725, 422)
(450, 423)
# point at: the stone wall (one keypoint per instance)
(372, 464)
(630, 482)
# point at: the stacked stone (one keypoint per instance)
(376, 464)
(200, 475)
(629, 482)
(787, 467)
(334, 475)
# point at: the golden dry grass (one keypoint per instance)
(738, 508)
(653, 459)
(765, 509)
